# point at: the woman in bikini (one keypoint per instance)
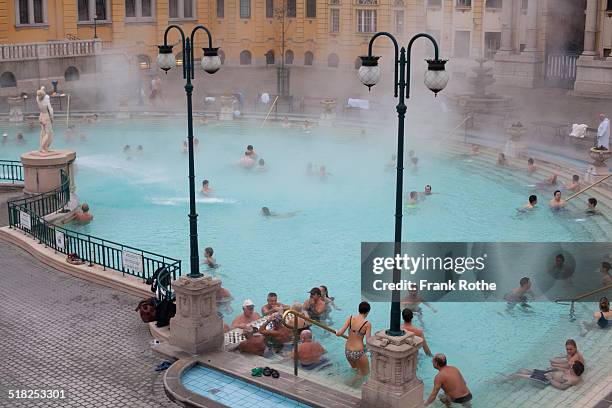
(358, 328)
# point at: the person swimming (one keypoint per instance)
(209, 260)
(247, 161)
(265, 211)
(286, 124)
(574, 185)
(557, 203)
(519, 295)
(206, 190)
(592, 207)
(412, 198)
(501, 160)
(531, 204)
(531, 168)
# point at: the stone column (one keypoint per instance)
(590, 28)
(506, 37)
(532, 26)
(393, 382)
(196, 328)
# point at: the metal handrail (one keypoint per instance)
(90, 249)
(11, 170)
(270, 111)
(297, 314)
(588, 187)
(584, 295)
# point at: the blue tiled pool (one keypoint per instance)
(233, 392)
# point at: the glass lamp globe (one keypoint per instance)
(165, 58)
(436, 76)
(369, 72)
(211, 62)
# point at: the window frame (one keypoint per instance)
(311, 8)
(181, 11)
(435, 4)
(138, 18)
(91, 6)
(396, 20)
(269, 8)
(494, 7)
(463, 4)
(331, 20)
(469, 44)
(291, 8)
(363, 23)
(220, 11)
(31, 18)
(247, 3)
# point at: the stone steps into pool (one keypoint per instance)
(237, 365)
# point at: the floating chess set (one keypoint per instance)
(235, 336)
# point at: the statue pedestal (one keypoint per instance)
(41, 171)
(196, 327)
(393, 382)
(514, 149)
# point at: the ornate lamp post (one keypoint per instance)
(95, 26)
(436, 79)
(211, 62)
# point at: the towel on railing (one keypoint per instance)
(358, 103)
(265, 98)
(578, 131)
(209, 99)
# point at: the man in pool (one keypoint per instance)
(251, 152)
(315, 305)
(84, 217)
(592, 207)
(248, 315)
(572, 355)
(412, 198)
(450, 380)
(533, 201)
(272, 305)
(407, 315)
(574, 185)
(278, 334)
(427, 190)
(556, 203)
(254, 343)
(413, 302)
(606, 277)
(209, 260)
(531, 167)
(247, 161)
(559, 378)
(206, 190)
(519, 295)
(265, 211)
(309, 351)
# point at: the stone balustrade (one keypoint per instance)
(54, 49)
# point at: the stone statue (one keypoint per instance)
(45, 118)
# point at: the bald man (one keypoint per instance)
(84, 216)
(451, 381)
(310, 351)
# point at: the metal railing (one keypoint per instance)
(296, 335)
(11, 170)
(28, 215)
(580, 297)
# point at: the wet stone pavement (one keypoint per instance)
(58, 332)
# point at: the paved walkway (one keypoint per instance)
(62, 333)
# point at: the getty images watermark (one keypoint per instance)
(482, 271)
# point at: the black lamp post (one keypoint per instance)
(95, 26)
(211, 64)
(436, 79)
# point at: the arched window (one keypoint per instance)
(7, 80)
(245, 58)
(222, 56)
(270, 57)
(144, 62)
(333, 60)
(357, 63)
(71, 74)
(308, 58)
(288, 57)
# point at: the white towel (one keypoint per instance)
(578, 131)
(265, 98)
(358, 103)
(209, 99)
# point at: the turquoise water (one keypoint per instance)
(233, 392)
(143, 201)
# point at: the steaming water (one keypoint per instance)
(142, 200)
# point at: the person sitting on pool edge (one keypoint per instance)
(206, 190)
(592, 207)
(556, 203)
(315, 305)
(572, 355)
(561, 379)
(248, 315)
(254, 343)
(450, 380)
(407, 315)
(309, 351)
(84, 216)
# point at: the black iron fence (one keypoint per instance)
(11, 170)
(28, 214)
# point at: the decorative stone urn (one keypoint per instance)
(514, 147)
(599, 167)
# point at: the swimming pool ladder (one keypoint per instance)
(577, 298)
(295, 328)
